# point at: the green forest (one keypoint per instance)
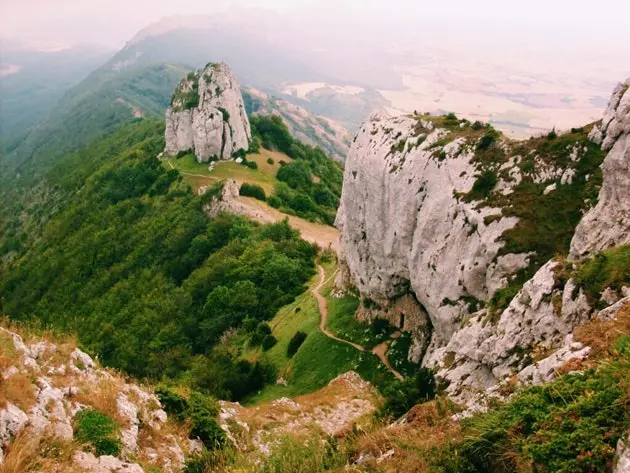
(131, 263)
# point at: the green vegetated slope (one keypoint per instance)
(134, 267)
(310, 185)
(304, 126)
(94, 108)
(297, 179)
(318, 359)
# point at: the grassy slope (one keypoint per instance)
(264, 176)
(319, 359)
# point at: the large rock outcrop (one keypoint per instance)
(608, 224)
(207, 115)
(409, 224)
(426, 208)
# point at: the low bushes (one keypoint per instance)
(201, 412)
(253, 190)
(295, 343)
(97, 430)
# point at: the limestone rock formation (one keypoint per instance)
(608, 224)
(45, 385)
(539, 319)
(404, 229)
(207, 115)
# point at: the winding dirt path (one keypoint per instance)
(322, 303)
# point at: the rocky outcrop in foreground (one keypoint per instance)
(332, 411)
(44, 388)
(207, 115)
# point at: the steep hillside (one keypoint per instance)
(132, 264)
(61, 411)
(303, 125)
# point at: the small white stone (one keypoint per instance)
(549, 189)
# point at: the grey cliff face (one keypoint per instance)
(608, 224)
(207, 115)
(402, 227)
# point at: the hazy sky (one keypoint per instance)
(113, 22)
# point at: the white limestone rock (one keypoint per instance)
(623, 457)
(12, 421)
(608, 224)
(402, 227)
(104, 464)
(546, 370)
(218, 125)
(481, 354)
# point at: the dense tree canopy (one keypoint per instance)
(149, 283)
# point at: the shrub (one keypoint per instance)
(552, 135)
(296, 343)
(254, 145)
(274, 202)
(181, 154)
(401, 396)
(477, 125)
(483, 186)
(98, 430)
(270, 161)
(203, 424)
(251, 164)
(172, 402)
(268, 342)
(487, 140)
(240, 153)
(253, 190)
(379, 326)
(225, 113)
(610, 268)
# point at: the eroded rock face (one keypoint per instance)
(608, 224)
(403, 228)
(484, 352)
(623, 457)
(46, 385)
(207, 115)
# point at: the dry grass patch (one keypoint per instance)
(429, 427)
(602, 336)
(18, 389)
(32, 453)
(102, 396)
(9, 356)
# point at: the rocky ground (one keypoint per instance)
(44, 387)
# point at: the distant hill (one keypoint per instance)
(303, 125)
(32, 81)
(95, 107)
